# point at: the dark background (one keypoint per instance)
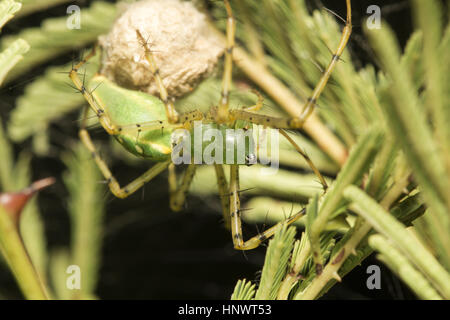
(150, 252)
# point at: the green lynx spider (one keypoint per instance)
(143, 124)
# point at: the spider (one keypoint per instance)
(144, 124)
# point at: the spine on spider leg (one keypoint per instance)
(89, 96)
(312, 100)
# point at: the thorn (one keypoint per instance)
(337, 277)
(353, 252)
(14, 202)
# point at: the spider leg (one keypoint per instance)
(308, 108)
(223, 193)
(235, 213)
(222, 115)
(97, 107)
(320, 86)
(172, 178)
(113, 129)
(178, 194)
(258, 105)
(187, 118)
(171, 112)
(120, 192)
(307, 159)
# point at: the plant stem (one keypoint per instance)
(15, 254)
(331, 269)
(361, 230)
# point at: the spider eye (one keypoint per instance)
(250, 159)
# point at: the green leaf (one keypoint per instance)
(396, 232)
(11, 56)
(86, 213)
(405, 114)
(15, 175)
(7, 181)
(7, 10)
(46, 100)
(429, 17)
(32, 227)
(357, 164)
(30, 6)
(59, 261)
(402, 267)
(54, 38)
(276, 262)
(12, 248)
(244, 290)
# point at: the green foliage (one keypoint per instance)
(30, 6)
(275, 265)
(50, 97)
(396, 232)
(53, 37)
(13, 52)
(395, 98)
(401, 266)
(244, 290)
(33, 113)
(86, 212)
(15, 175)
(7, 10)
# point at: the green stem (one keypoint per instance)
(18, 260)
